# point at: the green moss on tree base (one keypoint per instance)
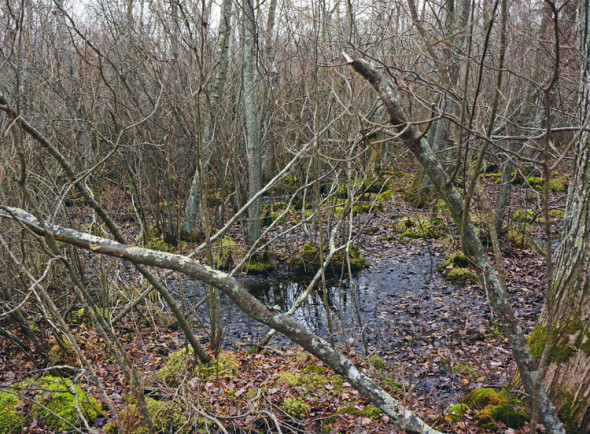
(567, 340)
(568, 414)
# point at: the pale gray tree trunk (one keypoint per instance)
(271, 83)
(84, 151)
(209, 137)
(252, 119)
(497, 296)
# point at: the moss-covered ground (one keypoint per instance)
(60, 403)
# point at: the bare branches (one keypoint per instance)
(243, 299)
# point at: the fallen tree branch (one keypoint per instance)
(399, 415)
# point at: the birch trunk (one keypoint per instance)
(193, 204)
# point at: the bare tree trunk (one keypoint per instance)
(497, 297)
(83, 144)
(252, 124)
(567, 377)
(192, 208)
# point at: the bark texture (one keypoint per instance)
(399, 415)
(567, 379)
(209, 138)
(497, 297)
(252, 120)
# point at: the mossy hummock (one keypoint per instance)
(308, 260)
(65, 404)
(492, 407)
(182, 363)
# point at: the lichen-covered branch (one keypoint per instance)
(498, 299)
(399, 415)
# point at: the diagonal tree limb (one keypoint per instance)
(497, 296)
(399, 415)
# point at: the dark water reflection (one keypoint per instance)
(376, 286)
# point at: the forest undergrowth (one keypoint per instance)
(442, 342)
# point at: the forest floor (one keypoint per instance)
(442, 343)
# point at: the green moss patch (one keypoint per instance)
(506, 413)
(460, 275)
(60, 397)
(536, 182)
(492, 407)
(308, 260)
(370, 411)
(457, 259)
(456, 412)
(10, 418)
(573, 336)
(311, 377)
(295, 407)
(524, 215)
(165, 415)
(466, 370)
(155, 242)
(516, 237)
(225, 253)
(259, 266)
(556, 186)
(419, 227)
(479, 399)
(455, 269)
(182, 363)
(377, 362)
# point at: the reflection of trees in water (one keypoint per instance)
(372, 286)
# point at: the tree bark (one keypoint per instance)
(497, 297)
(399, 415)
(193, 204)
(252, 120)
(567, 377)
